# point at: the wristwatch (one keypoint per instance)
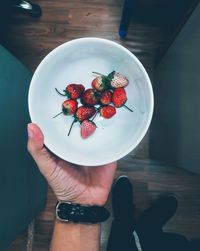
(77, 213)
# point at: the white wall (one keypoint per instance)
(175, 131)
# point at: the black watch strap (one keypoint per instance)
(69, 212)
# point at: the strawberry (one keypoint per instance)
(119, 97)
(72, 91)
(106, 97)
(118, 80)
(90, 97)
(114, 79)
(85, 112)
(69, 107)
(107, 111)
(82, 113)
(100, 83)
(87, 128)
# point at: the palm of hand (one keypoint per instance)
(72, 183)
(80, 184)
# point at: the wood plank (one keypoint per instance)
(31, 40)
(20, 243)
(150, 179)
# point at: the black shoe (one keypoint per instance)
(122, 199)
(25, 7)
(157, 215)
(121, 233)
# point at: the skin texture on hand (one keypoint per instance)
(73, 183)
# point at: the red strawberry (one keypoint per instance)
(69, 107)
(106, 97)
(89, 97)
(100, 83)
(87, 128)
(82, 113)
(85, 112)
(72, 91)
(119, 97)
(107, 111)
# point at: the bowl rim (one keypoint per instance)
(149, 85)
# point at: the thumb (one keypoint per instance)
(35, 139)
(44, 159)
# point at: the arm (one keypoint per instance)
(76, 184)
(75, 237)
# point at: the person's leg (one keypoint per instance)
(121, 234)
(194, 245)
(121, 238)
(161, 241)
(174, 242)
(151, 222)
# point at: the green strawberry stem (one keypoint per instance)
(128, 108)
(109, 77)
(99, 74)
(60, 92)
(57, 115)
(95, 115)
(75, 120)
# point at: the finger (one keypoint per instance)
(44, 159)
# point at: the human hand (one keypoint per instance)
(72, 183)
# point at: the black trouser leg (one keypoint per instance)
(194, 245)
(121, 237)
(160, 241)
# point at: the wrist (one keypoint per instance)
(77, 213)
(75, 237)
(84, 201)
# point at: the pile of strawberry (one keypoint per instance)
(107, 94)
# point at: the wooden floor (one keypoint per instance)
(31, 39)
(149, 179)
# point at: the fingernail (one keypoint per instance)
(30, 131)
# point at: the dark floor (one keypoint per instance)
(31, 39)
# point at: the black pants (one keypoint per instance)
(161, 241)
(121, 239)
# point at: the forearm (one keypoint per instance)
(75, 237)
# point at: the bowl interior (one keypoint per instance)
(73, 62)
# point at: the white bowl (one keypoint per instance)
(73, 62)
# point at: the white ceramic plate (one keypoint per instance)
(73, 62)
